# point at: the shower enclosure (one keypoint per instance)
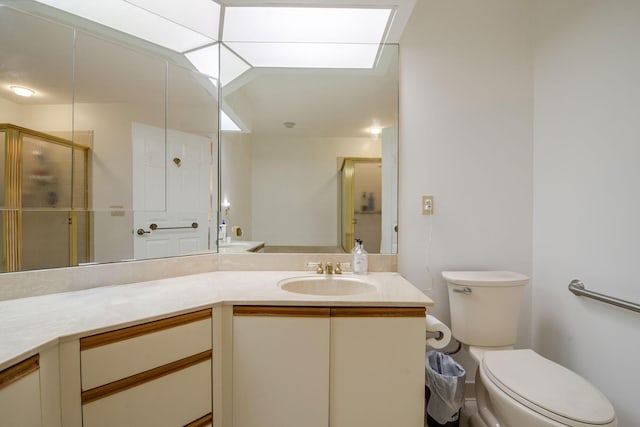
(361, 191)
(45, 199)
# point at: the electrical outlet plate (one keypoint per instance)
(427, 205)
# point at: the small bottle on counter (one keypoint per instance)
(360, 260)
(222, 231)
(370, 203)
(364, 203)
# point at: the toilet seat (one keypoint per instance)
(547, 388)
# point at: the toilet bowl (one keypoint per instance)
(515, 388)
(523, 389)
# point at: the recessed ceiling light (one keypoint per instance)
(22, 91)
(375, 131)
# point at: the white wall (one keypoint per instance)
(10, 112)
(472, 136)
(466, 139)
(587, 191)
(236, 174)
(295, 187)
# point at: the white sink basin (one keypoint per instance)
(326, 285)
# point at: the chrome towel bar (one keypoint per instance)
(577, 288)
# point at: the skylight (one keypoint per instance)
(202, 16)
(164, 24)
(233, 67)
(206, 60)
(307, 55)
(306, 36)
(257, 36)
(228, 125)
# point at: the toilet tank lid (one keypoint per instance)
(485, 278)
(547, 388)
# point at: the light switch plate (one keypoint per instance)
(427, 205)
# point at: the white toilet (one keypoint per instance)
(515, 388)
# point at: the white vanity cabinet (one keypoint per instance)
(377, 366)
(335, 366)
(280, 361)
(20, 404)
(153, 374)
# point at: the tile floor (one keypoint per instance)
(469, 408)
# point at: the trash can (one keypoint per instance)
(444, 390)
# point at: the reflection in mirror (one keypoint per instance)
(109, 98)
(283, 181)
(97, 144)
(153, 135)
(37, 148)
(141, 121)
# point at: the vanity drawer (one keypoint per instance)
(113, 355)
(179, 394)
(20, 394)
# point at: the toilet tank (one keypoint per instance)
(485, 306)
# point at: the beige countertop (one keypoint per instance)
(239, 246)
(29, 325)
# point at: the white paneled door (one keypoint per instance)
(171, 192)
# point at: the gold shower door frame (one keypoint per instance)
(347, 194)
(12, 210)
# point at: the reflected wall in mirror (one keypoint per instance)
(119, 134)
(283, 180)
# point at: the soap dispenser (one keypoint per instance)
(355, 246)
(360, 261)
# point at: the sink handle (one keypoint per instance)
(338, 268)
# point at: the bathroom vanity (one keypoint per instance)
(221, 348)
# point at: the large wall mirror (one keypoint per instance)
(310, 161)
(116, 155)
(309, 158)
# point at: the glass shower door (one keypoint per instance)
(46, 202)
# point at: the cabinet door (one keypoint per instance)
(20, 395)
(280, 366)
(377, 367)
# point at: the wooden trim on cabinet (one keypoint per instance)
(280, 311)
(111, 337)
(19, 370)
(303, 311)
(207, 420)
(378, 311)
(102, 391)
